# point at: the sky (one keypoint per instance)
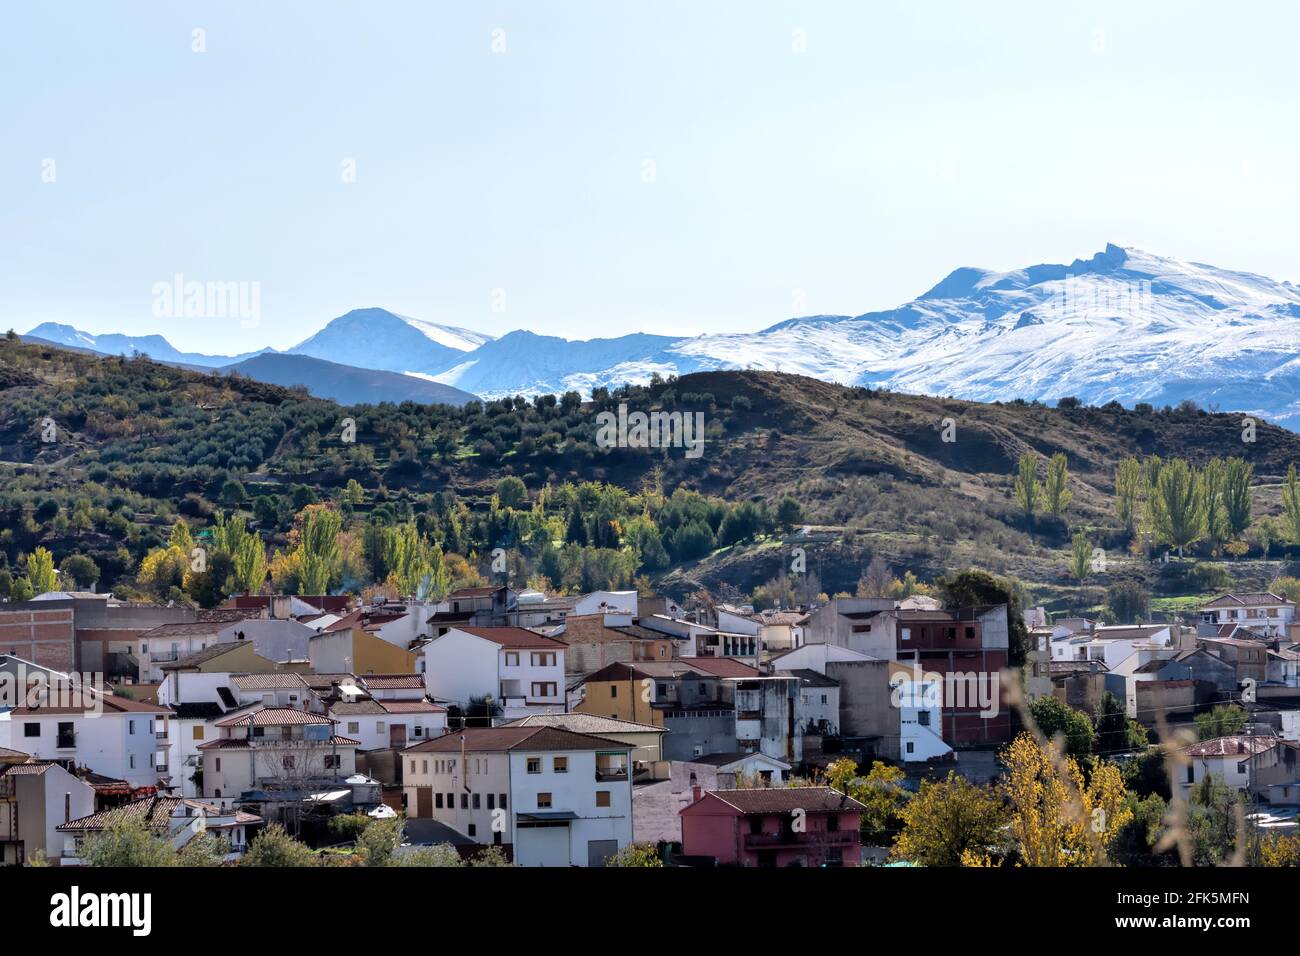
(588, 169)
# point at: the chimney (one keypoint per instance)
(695, 793)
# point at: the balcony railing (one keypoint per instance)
(792, 838)
(611, 773)
(160, 735)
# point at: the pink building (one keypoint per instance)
(779, 826)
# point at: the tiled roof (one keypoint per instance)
(267, 681)
(242, 743)
(273, 716)
(392, 681)
(152, 811)
(513, 637)
(587, 724)
(326, 681)
(787, 800)
(111, 703)
(1232, 746)
(475, 592)
(725, 667)
(723, 760)
(208, 653)
(514, 737)
(33, 768)
(411, 707)
(809, 678)
(7, 754)
(1247, 599)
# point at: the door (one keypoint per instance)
(424, 802)
(598, 851)
(397, 735)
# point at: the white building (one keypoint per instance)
(376, 724)
(918, 696)
(112, 736)
(1261, 611)
(35, 798)
(556, 797)
(274, 748)
(521, 671)
(1237, 761)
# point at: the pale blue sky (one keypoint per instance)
(906, 140)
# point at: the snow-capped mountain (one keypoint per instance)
(379, 339)
(1123, 325)
(155, 346)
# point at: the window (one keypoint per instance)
(560, 764)
(832, 822)
(1191, 774)
(475, 801)
(602, 798)
(451, 801)
(354, 726)
(218, 769)
(501, 799)
(130, 726)
(437, 801)
(412, 766)
(823, 698)
(379, 726)
(288, 761)
(923, 718)
(424, 766)
(492, 801)
(543, 688)
(473, 830)
(543, 801)
(333, 761)
(613, 691)
(419, 730)
(464, 801)
(197, 731)
(544, 659)
(131, 761)
(534, 764)
(31, 730)
(512, 659)
(907, 634)
(911, 747)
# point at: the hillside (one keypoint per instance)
(139, 443)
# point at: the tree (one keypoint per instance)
(126, 841)
(1280, 849)
(353, 493)
(1212, 481)
(1080, 557)
(40, 571)
(1057, 820)
(789, 513)
(1237, 495)
(78, 571)
(948, 819)
(274, 847)
(636, 854)
(378, 841)
(1291, 505)
(512, 492)
(318, 550)
(1178, 505)
(1056, 489)
(1027, 489)
(249, 570)
(1054, 716)
(1117, 732)
(442, 855)
(1128, 493)
(1225, 720)
(1128, 601)
(875, 580)
(975, 587)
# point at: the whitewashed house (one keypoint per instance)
(521, 671)
(554, 797)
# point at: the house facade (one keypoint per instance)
(774, 827)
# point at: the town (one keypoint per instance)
(504, 726)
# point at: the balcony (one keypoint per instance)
(789, 838)
(160, 735)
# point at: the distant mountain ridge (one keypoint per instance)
(1121, 325)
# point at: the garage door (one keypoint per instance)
(598, 851)
(542, 846)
